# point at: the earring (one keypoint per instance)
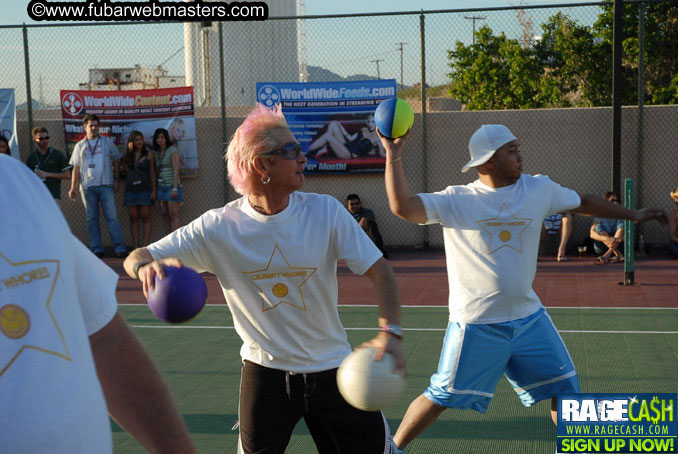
(265, 181)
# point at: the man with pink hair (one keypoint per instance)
(275, 252)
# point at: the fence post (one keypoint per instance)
(29, 97)
(424, 141)
(629, 228)
(641, 105)
(618, 36)
(222, 94)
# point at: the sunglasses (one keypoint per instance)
(43, 138)
(290, 150)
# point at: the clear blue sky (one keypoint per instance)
(61, 56)
(14, 11)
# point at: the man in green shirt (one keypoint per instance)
(49, 164)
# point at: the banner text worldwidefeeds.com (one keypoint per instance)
(151, 10)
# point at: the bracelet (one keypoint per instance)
(175, 189)
(394, 330)
(396, 160)
(135, 269)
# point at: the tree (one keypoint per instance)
(494, 73)
(571, 64)
(578, 65)
(661, 49)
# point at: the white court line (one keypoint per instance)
(445, 306)
(404, 329)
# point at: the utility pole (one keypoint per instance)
(402, 85)
(378, 73)
(474, 19)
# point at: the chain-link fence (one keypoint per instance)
(572, 145)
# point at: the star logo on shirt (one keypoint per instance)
(281, 282)
(505, 230)
(26, 319)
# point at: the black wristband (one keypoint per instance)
(135, 269)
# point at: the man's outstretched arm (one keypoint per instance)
(135, 393)
(596, 206)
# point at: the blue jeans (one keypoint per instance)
(103, 194)
(673, 248)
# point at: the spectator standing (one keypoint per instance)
(140, 186)
(170, 192)
(49, 164)
(95, 166)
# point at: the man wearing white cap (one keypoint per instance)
(497, 324)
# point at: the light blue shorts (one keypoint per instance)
(165, 194)
(529, 351)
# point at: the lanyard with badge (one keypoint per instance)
(91, 165)
(137, 180)
(40, 165)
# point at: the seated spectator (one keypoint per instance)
(673, 225)
(608, 235)
(555, 234)
(366, 220)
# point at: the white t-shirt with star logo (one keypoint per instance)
(491, 240)
(54, 293)
(279, 275)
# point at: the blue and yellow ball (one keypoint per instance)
(394, 117)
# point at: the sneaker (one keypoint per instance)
(121, 255)
(99, 254)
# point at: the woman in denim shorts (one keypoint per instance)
(140, 187)
(170, 194)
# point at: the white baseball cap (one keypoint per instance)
(485, 141)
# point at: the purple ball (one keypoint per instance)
(179, 296)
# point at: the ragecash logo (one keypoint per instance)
(617, 423)
(268, 95)
(72, 103)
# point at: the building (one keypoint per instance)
(136, 78)
(254, 51)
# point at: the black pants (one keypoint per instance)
(273, 401)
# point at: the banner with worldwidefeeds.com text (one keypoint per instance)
(333, 122)
(122, 111)
(617, 423)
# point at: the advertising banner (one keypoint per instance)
(8, 119)
(333, 121)
(620, 423)
(123, 111)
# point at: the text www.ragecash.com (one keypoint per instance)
(152, 10)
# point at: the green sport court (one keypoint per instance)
(626, 342)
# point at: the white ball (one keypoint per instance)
(368, 384)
